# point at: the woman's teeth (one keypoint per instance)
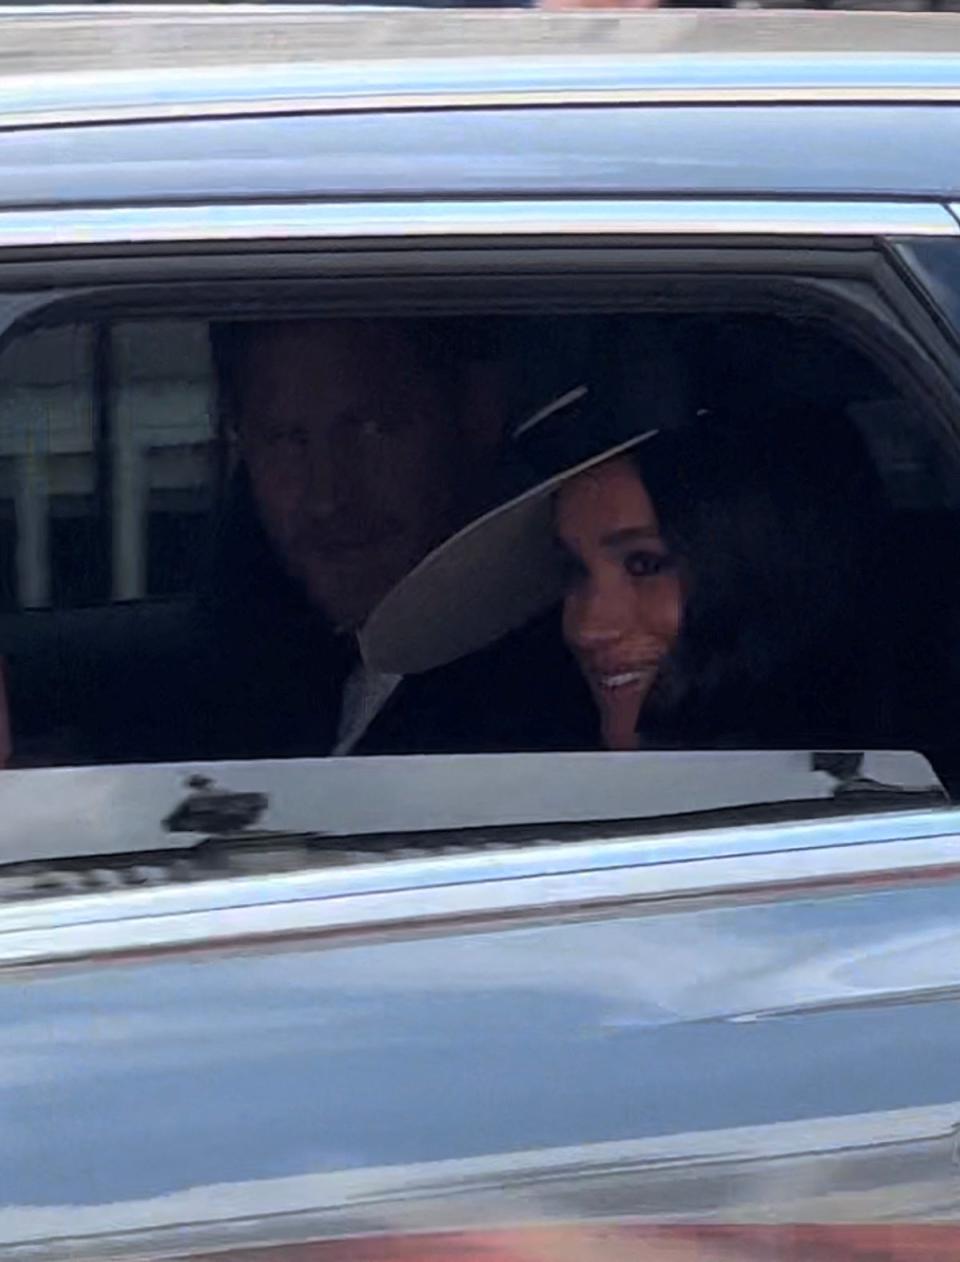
(622, 680)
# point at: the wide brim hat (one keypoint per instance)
(505, 568)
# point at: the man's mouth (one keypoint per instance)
(336, 543)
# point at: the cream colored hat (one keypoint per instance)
(505, 568)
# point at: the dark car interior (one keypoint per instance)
(68, 650)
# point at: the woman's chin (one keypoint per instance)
(619, 715)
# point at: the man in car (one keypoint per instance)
(355, 446)
(363, 442)
(360, 444)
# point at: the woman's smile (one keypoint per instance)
(623, 599)
(625, 678)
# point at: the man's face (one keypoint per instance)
(352, 455)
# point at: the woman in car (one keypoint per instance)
(719, 575)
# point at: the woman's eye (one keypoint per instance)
(642, 564)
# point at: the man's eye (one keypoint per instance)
(643, 564)
(371, 428)
(366, 427)
(292, 437)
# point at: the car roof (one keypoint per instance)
(79, 63)
(116, 104)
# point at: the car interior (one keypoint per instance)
(114, 461)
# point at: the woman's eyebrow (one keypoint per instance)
(629, 534)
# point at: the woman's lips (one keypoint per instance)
(611, 680)
(623, 680)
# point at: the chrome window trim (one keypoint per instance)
(571, 878)
(398, 220)
(395, 102)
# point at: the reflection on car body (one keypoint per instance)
(317, 814)
(211, 810)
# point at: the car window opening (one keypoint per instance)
(303, 538)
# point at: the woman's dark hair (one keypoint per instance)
(779, 527)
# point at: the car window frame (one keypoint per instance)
(851, 270)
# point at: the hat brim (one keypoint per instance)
(493, 576)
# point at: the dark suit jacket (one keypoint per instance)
(175, 687)
(522, 694)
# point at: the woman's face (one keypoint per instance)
(622, 606)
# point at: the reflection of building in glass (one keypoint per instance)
(161, 447)
(104, 462)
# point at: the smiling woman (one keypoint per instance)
(622, 609)
(781, 639)
(716, 588)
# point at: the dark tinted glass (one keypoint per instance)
(104, 485)
(111, 467)
(935, 265)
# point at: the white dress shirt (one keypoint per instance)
(365, 694)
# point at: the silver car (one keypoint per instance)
(526, 1005)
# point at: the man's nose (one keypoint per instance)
(326, 481)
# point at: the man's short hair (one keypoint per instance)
(447, 346)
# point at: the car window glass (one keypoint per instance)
(51, 512)
(115, 467)
(161, 455)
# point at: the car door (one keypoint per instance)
(428, 1032)
(557, 1019)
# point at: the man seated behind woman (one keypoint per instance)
(721, 577)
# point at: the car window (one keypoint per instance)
(160, 423)
(106, 442)
(121, 456)
(112, 463)
(52, 553)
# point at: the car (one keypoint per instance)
(663, 1004)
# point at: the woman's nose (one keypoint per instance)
(595, 617)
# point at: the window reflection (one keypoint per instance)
(162, 456)
(50, 503)
(105, 463)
